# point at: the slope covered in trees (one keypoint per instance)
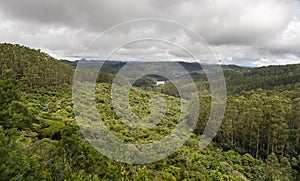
(263, 77)
(241, 79)
(32, 68)
(40, 139)
(238, 79)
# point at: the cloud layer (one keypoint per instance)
(258, 32)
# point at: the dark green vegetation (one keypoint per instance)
(40, 140)
(32, 68)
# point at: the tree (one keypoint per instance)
(17, 163)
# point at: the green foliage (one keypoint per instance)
(145, 82)
(40, 140)
(18, 162)
(13, 112)
(260, 122)
(31, 67)
(105, 78)
(246, 79)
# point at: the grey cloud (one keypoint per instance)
(219, 22)
(64, 28)
(91, 14)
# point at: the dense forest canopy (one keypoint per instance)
(32, 68)
(40, 139)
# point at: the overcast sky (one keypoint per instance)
(243, 32)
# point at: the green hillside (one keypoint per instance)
(40, 139)
(32, 68)
(238, 79)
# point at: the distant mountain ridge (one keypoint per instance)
(237, 78)
(38, 69)
(112, 66)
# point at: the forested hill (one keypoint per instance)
(113, 66)
(32, 68)
(237, 78)
(245, 79)
(40, 139)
